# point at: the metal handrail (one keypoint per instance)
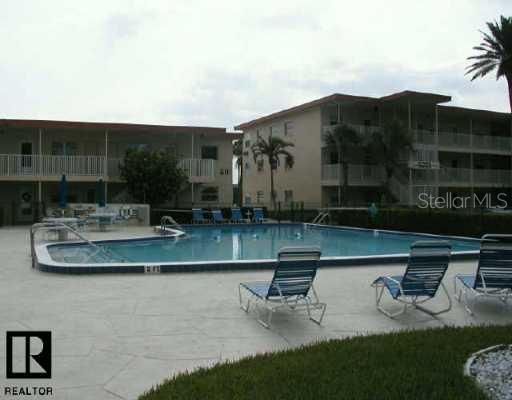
(61, 226)
(166, 221)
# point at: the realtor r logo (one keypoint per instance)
(28, 355)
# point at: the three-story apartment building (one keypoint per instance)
(34, 154)
(457, 150)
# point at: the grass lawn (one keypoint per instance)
(424, 364)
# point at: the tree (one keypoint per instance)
(495, 53)
(273, 149)
(238, 149)
(387, 147)
(343, 140)
(152, 177)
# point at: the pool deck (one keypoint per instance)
(116, 335)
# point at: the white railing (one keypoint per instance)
(47, 165)
(452, 139)
(365, 131)
(198, 168)
(492, 176)
(17, 165)
(358, 174)
(492, 142)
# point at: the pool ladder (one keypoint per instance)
(168, 221)
(320, 218)
(59, 226)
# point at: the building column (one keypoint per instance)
(338, 113)
(436, 127)
(105, 171)
(471, 161)
(409, 124)
(40, 167)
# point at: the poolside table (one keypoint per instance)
(69, 221)
(103, 219)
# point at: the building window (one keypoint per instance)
(247, 200)
(288, 128)
(209, 152)
(210, 193)
(247, 144)
(288, 196)
(138, 146)
(64, 149)
(259, 196)
(224, 171)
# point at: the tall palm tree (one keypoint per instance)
(389, 146)
(495, 53)
(343, 140)
(273, 149)
(238, 150)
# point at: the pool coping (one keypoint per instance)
(44, 262)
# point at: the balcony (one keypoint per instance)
(365, 131)
(358, 175)
(464, 177)
(16, 167)
(465, 142)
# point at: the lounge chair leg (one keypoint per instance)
(245, 308)
(269, 317)
(434, 313)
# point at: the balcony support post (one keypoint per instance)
(105, 168)
(40, 167)
(471, 161)
(436, 154)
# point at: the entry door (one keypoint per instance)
(26, 156)
(25, 209)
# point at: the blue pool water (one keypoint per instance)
(248, 242)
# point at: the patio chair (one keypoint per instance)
(493, 278)
(290, 288)
(427, 265)
(258, 215)
(236, 216)
(198, 216)
(218, 218)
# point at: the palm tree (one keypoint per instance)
(272, 149)
(343, 140)
(387, 147)
(238, 149)
(495, 53)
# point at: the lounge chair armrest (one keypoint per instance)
(397, 282)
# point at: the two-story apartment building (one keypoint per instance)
(457, 150)
(34, 154)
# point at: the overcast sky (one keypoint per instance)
(221, 63)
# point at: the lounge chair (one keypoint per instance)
(198, 216)
(291, 287)
(236, 216)
(218, 218)
(427, 265)
(493, 276)
(258, 215)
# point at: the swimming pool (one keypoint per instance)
(251, 246)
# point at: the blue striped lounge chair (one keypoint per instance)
(427, 265)
(493, 278)
(236, 216)
(198, 216)
(218, 218)
(258, 216)
(290, 288)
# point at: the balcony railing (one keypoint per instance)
(462, 176)
(199, 170)
(358, 174)
(46, 165)
(464, 140)
(50, 166)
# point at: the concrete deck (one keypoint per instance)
(114, 336)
